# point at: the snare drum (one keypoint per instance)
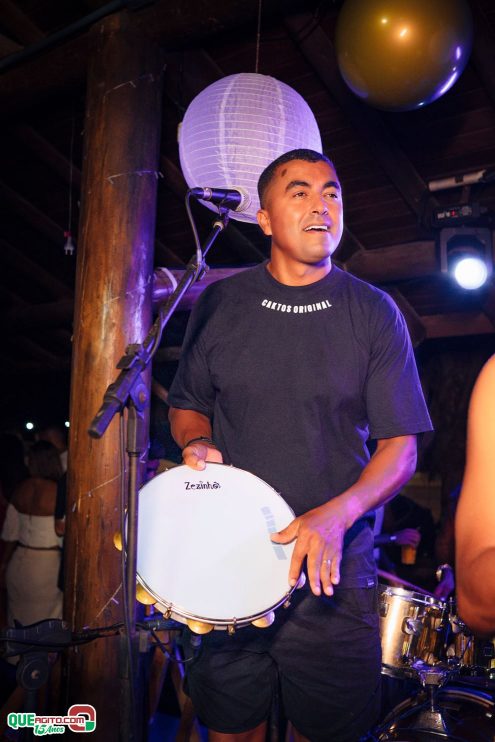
(412, 626)
(204, 548)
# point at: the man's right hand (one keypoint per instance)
(408, 537)
(198, 454)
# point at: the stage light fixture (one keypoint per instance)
(466, 253)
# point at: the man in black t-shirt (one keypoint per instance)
(287, 370)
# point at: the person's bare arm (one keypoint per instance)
(475, 516)
(320, 532)
(187, 425)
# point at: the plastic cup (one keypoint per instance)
(408, 555)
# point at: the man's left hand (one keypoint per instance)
(319, 535)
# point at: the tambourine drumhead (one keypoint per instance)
(204, 548)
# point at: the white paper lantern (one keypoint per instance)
(235, 127)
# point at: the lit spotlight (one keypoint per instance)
(29, 426)
(67, 424)
(470, 272)
(466, 254)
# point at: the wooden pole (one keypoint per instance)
(113, 309)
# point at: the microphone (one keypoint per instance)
(236, 199)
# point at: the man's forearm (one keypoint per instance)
(188, 424)
(390, 468)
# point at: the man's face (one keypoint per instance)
(303, 212)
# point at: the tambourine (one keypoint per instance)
(204, 551)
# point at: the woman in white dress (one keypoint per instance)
(31, 555)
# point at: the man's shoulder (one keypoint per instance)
(363, 290)
(233, 284)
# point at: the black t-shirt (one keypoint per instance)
(296, 379)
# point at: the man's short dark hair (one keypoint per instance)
(308, 155)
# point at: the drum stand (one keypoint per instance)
(429, 717)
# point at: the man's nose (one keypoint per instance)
(319, 205)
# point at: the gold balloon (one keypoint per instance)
(403, 54)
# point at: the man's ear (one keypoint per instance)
(264, 222)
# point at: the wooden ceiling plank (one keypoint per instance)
(47, 153)
(19, 24)
(457, 324)
(167, 256)
(482, 56)
(320, 53)
(395, 263)
(34, 271)
(188, 73)
(489, 304)
(172, 25)
(32, 214)
(48, 314)
(37, 352)
(7, 46)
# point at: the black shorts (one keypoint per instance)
(321, 657)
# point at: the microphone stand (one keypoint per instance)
(129, 390)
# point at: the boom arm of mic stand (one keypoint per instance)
(138, 356)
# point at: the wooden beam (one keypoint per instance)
(163, 287)
(38, 275)
(172, 25)
(482, 56)
(32, 214)
(395, 263)
(49, 314)
(113, 309)
(319, 51)
(457, 324)
(39, 354)
(47, 153)
(197, 70)
(167, 256)
(7, 46)
(19, 24)
(489, 301)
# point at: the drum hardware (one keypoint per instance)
(467, 714)
(413, 628)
